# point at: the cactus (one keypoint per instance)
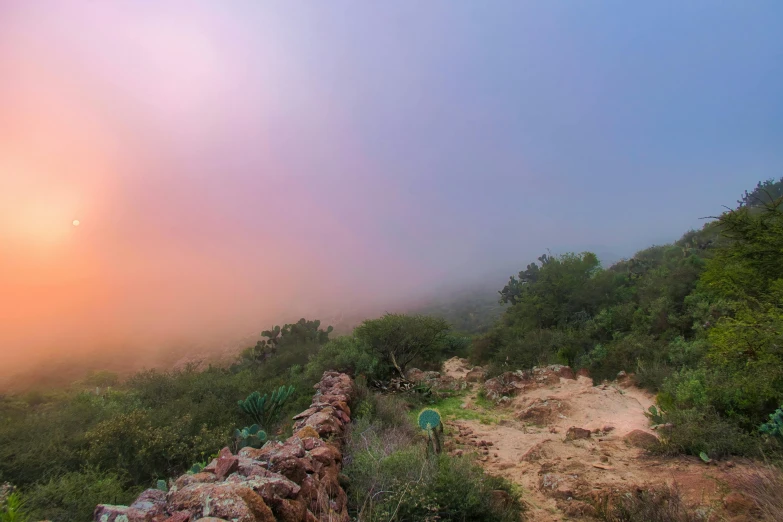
(429, 421)
(429, 417)
(161, 485)
(252, 436)
(265, 409)
(197, 468)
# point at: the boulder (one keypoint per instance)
(109, 513)
(641, 439)
(542, 411)
(223, 500)
(148, 507)
(505, 384)
(477, 374)
(575, 433)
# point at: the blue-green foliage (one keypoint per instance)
(252, 436)
(775, 425)
(265, 409)
(161, 485)
(429, 419)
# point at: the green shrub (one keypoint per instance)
(73, 496)
(694, 431)
(343, 354)
(12, 509)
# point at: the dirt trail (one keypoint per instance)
(559, 476)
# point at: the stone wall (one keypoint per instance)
(292, 481)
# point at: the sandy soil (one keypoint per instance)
(560, 476)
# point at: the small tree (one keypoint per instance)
(398, 339)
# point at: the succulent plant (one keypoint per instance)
(252, 436)
(161, 485)
(429, 418)
(429, 421)
(265, 409)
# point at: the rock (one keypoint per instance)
(537, 452)
(622, 375)
(738, 504)
(187, 478)
(507, 383)
(324, 424)
(109, 513)
(607, 428)
(564, 372)
(289, 510)
(223, 500)
(180, 516)
(151, 504)
(557, 485)
(575, 433)
(226, 466)
(541, 412)
(326, 454)
(415, 375)
(583, 372)
(641, 439)
(477, 374)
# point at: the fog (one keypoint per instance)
(237, 165)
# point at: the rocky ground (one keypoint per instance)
(567, 443)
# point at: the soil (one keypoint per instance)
(560, 468)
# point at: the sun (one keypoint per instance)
(76, 222)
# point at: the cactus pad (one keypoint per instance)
(429, 419)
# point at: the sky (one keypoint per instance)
(233, 164)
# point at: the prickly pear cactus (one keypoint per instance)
(253, 437)
(429, 419)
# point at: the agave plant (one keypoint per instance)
(265, 409)
(253, 437)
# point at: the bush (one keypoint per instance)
(695, 431)
(73, 496)
(343, 354)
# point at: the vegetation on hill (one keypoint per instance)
(700, 321)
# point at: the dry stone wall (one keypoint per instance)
(292, 481)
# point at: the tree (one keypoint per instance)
(303, 332)
(398, 339)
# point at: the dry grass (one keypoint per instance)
(763, 484)
(661, 503)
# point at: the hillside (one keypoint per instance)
(648, 390)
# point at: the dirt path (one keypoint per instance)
(528, 446)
